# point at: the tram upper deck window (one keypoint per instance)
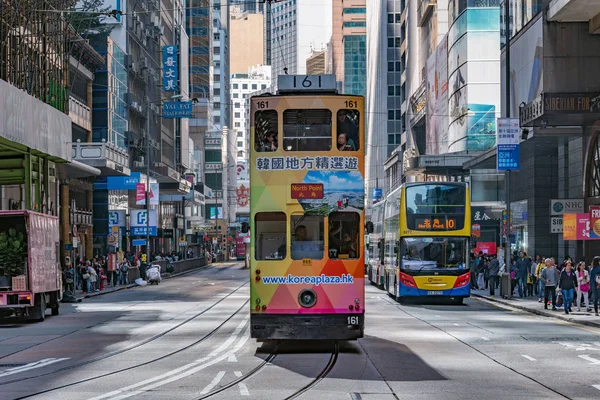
(343, 235)
(270, 235)
(347, 130)
(265, 131)
(307, 239)
(307, 130)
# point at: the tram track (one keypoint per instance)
(134, 346)
(127, 369)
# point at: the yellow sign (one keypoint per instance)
(143, 258)
(307, 262)
(120, 256)
(115, 229)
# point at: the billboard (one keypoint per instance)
(474, 79)
(138, 221)
(437, 100)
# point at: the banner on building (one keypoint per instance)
(576, 226)
(594, 224)
(177, 109)
(437, 100)
(170, 68)
(508, 156)
(140, 194)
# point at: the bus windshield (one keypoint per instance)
(420, 253)
(435, 199)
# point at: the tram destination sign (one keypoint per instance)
(310, 83)
(307, 191)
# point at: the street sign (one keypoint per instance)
(508, 156)
(177, 109)
(75, 243)
(74, 230)
(68, 247)
(112, 239)
(115, 229)
(138, 242)
(556, 224)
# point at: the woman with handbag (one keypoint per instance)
(583, 286)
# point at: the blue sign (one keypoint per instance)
(138, 242)
(68, 247)
(170, 69)
(138, 220)
(123, 182)
(377, 193)
(508, 157)
(177, 109)
(141, 231)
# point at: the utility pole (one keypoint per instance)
(507, 244)
(148, 182)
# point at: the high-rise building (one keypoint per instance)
(349, 44)
(316, 63)
(247, 38)
(386, 96)
(297, 29)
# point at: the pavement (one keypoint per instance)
(189, 337)
(530, 304)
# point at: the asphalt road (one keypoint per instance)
(188, 339)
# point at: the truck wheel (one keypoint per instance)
(55, 309)
(39, 309)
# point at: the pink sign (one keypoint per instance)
(485, 248)
(140, 194)
(577, 227)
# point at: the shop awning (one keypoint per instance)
(76, 169)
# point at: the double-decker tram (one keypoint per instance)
(432, 246)
(307, 211)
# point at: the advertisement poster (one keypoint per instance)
(140, 194)
(437, 100)
(594, 224)
(577, 227)
(485, 248)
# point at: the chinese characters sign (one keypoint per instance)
(507, 148)
(170, 69)
(307, 191)
(213, 166)
(308, 163)
(212, 142)
(435, 224)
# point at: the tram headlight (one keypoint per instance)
(307, 298)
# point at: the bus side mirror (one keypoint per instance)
(369, 227)
(244, 227)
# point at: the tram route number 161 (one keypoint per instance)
(353, 320)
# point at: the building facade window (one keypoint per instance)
(355, 64)
(355, 24)
(356, 10)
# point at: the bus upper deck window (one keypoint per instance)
(265, 131)
(347, 130)
(307, 130)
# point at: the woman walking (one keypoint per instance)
(583, 286)
(567, 284)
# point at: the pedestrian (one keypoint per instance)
(567, 284)
(493, 270)
(540, 283)
(473, 271)
(125, 272)
(595, 281)
(523, 269)
(93, 278)
(550, 278)
(103, 278)
(583, 286)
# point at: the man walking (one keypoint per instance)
(523, 267)
(493, 270)
(550, 278)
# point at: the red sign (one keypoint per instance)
(476, 230)
(485, 248)
(140, 193)
(112, 261)
(240, 246)
(307, 191)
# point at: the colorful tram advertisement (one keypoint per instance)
(307, 212)
(431, 247)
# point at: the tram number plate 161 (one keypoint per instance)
(353, 320)
(435, 292)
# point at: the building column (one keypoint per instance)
(89, 232)
(65, 223)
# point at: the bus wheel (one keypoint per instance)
(400, 299)
(458, 301)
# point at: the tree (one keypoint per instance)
(91, 17)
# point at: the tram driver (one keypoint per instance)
(302, 246)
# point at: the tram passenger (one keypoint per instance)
(302, 246)
(270, 143)
(347, 126)
(345, 144)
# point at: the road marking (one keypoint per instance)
(185, 370)
(232, 358)
(596, 386)
(529, 357)
(213, 383)
(455, 324)
(243, 388)
(30, 366)
(439, 316)
(485, 338)
(592, 360)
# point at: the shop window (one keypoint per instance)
(344, 233)
(265, 130)
(270, 232)
(307, 239)
(307, 130)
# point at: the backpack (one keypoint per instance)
(124, 268)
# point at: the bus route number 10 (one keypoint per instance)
(353, 320)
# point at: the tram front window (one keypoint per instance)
(343, 235)
(270, 235)
(307, 239)
(307, 130)
(434, 252)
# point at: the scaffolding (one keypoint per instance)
(35, 40)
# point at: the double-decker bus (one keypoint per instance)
(376, 246)
(307, 211)
(433, 241)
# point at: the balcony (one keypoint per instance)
(425, 9)
(107, 157)
(80, 218)
(80, 113)
(573, 10)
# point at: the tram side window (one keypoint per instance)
(307, 130)
(343, 235)
(270, 235)
(265, 131)
(347, 130)
(307, 238)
